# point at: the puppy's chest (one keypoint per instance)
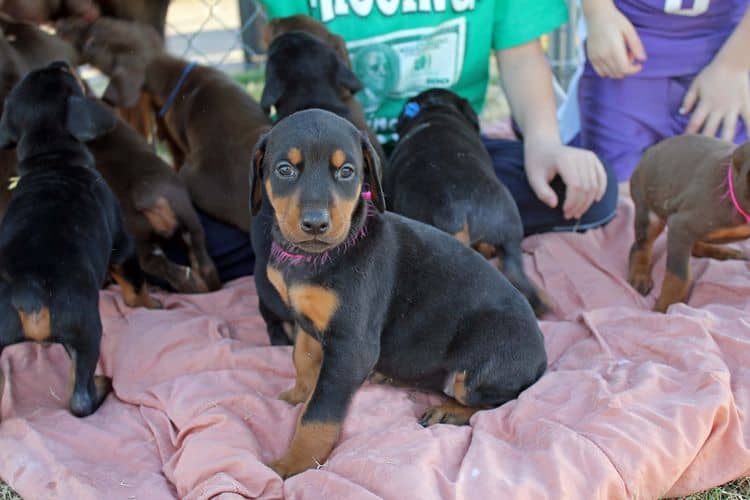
(310, 301)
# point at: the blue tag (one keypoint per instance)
(411, 109)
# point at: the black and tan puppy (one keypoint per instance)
(62, 232)
(373, 291)
(441, 174)
(699, 187)
(303, 71)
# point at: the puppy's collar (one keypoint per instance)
(284, 256)
(730, 183)
(176, 89)
(411, 109)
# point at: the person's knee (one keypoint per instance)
(603, 210)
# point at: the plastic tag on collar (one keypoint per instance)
(13, 182)
(411, 109)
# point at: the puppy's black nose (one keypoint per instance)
(315, 221)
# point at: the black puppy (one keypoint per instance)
(63, 229)
(372, 291)
(440, 173)
(302, 72)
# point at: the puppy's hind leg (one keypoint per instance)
(511, 265)
(680, 243)
(718, 252)
(129, 276)
(83, 347)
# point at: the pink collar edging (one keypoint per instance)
(734, 196)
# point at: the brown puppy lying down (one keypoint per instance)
(155, 207)
(699, 187)
(210, 123)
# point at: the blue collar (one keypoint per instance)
(176, 89)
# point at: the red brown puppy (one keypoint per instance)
(700, 188)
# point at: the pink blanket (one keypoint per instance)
(635, 404)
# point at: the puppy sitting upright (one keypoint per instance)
(63, 230)
(698, 186)
(376, 291)
(440, 173)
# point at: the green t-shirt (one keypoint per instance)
(400, 47)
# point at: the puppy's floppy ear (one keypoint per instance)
(273, 88)
(256, 174)
(373, 172)
(87, 119)
(125, 84)
(345, 77)
(8, 137)
(468, 112)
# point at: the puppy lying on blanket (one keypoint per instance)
(698, 186)
(63, 230)
(440, 173)
(156, 207)
(211, 124)
(376, 291)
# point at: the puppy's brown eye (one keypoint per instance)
(345, 172)
(286, 170)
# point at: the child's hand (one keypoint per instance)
(722, 94)
(613, 46)
(581, 171)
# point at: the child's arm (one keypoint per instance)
(612, 45)
(722, 89)
(527, 81)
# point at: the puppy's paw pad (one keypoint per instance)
(294, 396)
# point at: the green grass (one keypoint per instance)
(736, 490)
(6, 493)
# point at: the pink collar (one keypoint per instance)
(280, 255)
(730, 182)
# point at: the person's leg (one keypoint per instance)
(620, 119)
(507, 158)
(229, 248)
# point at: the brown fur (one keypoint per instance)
(36, 326)
(450, 412)
(307, 357)
(295, 156)
(155, 206)
(316, 303)
(682, 183)
(161, 217)
(311, 445)
(338, 158)
(277, 280)
(131, 296)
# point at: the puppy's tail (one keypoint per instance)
(512, 268)
(31, 302)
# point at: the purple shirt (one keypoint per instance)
(680, 36)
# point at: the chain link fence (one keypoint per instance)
(225, 33)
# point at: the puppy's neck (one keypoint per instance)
(51, 147)
(162, 75)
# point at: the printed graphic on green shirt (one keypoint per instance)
(401, 64)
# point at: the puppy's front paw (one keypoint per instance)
(448, 413)
(643, 283)
(286, 467)
(294, 396)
